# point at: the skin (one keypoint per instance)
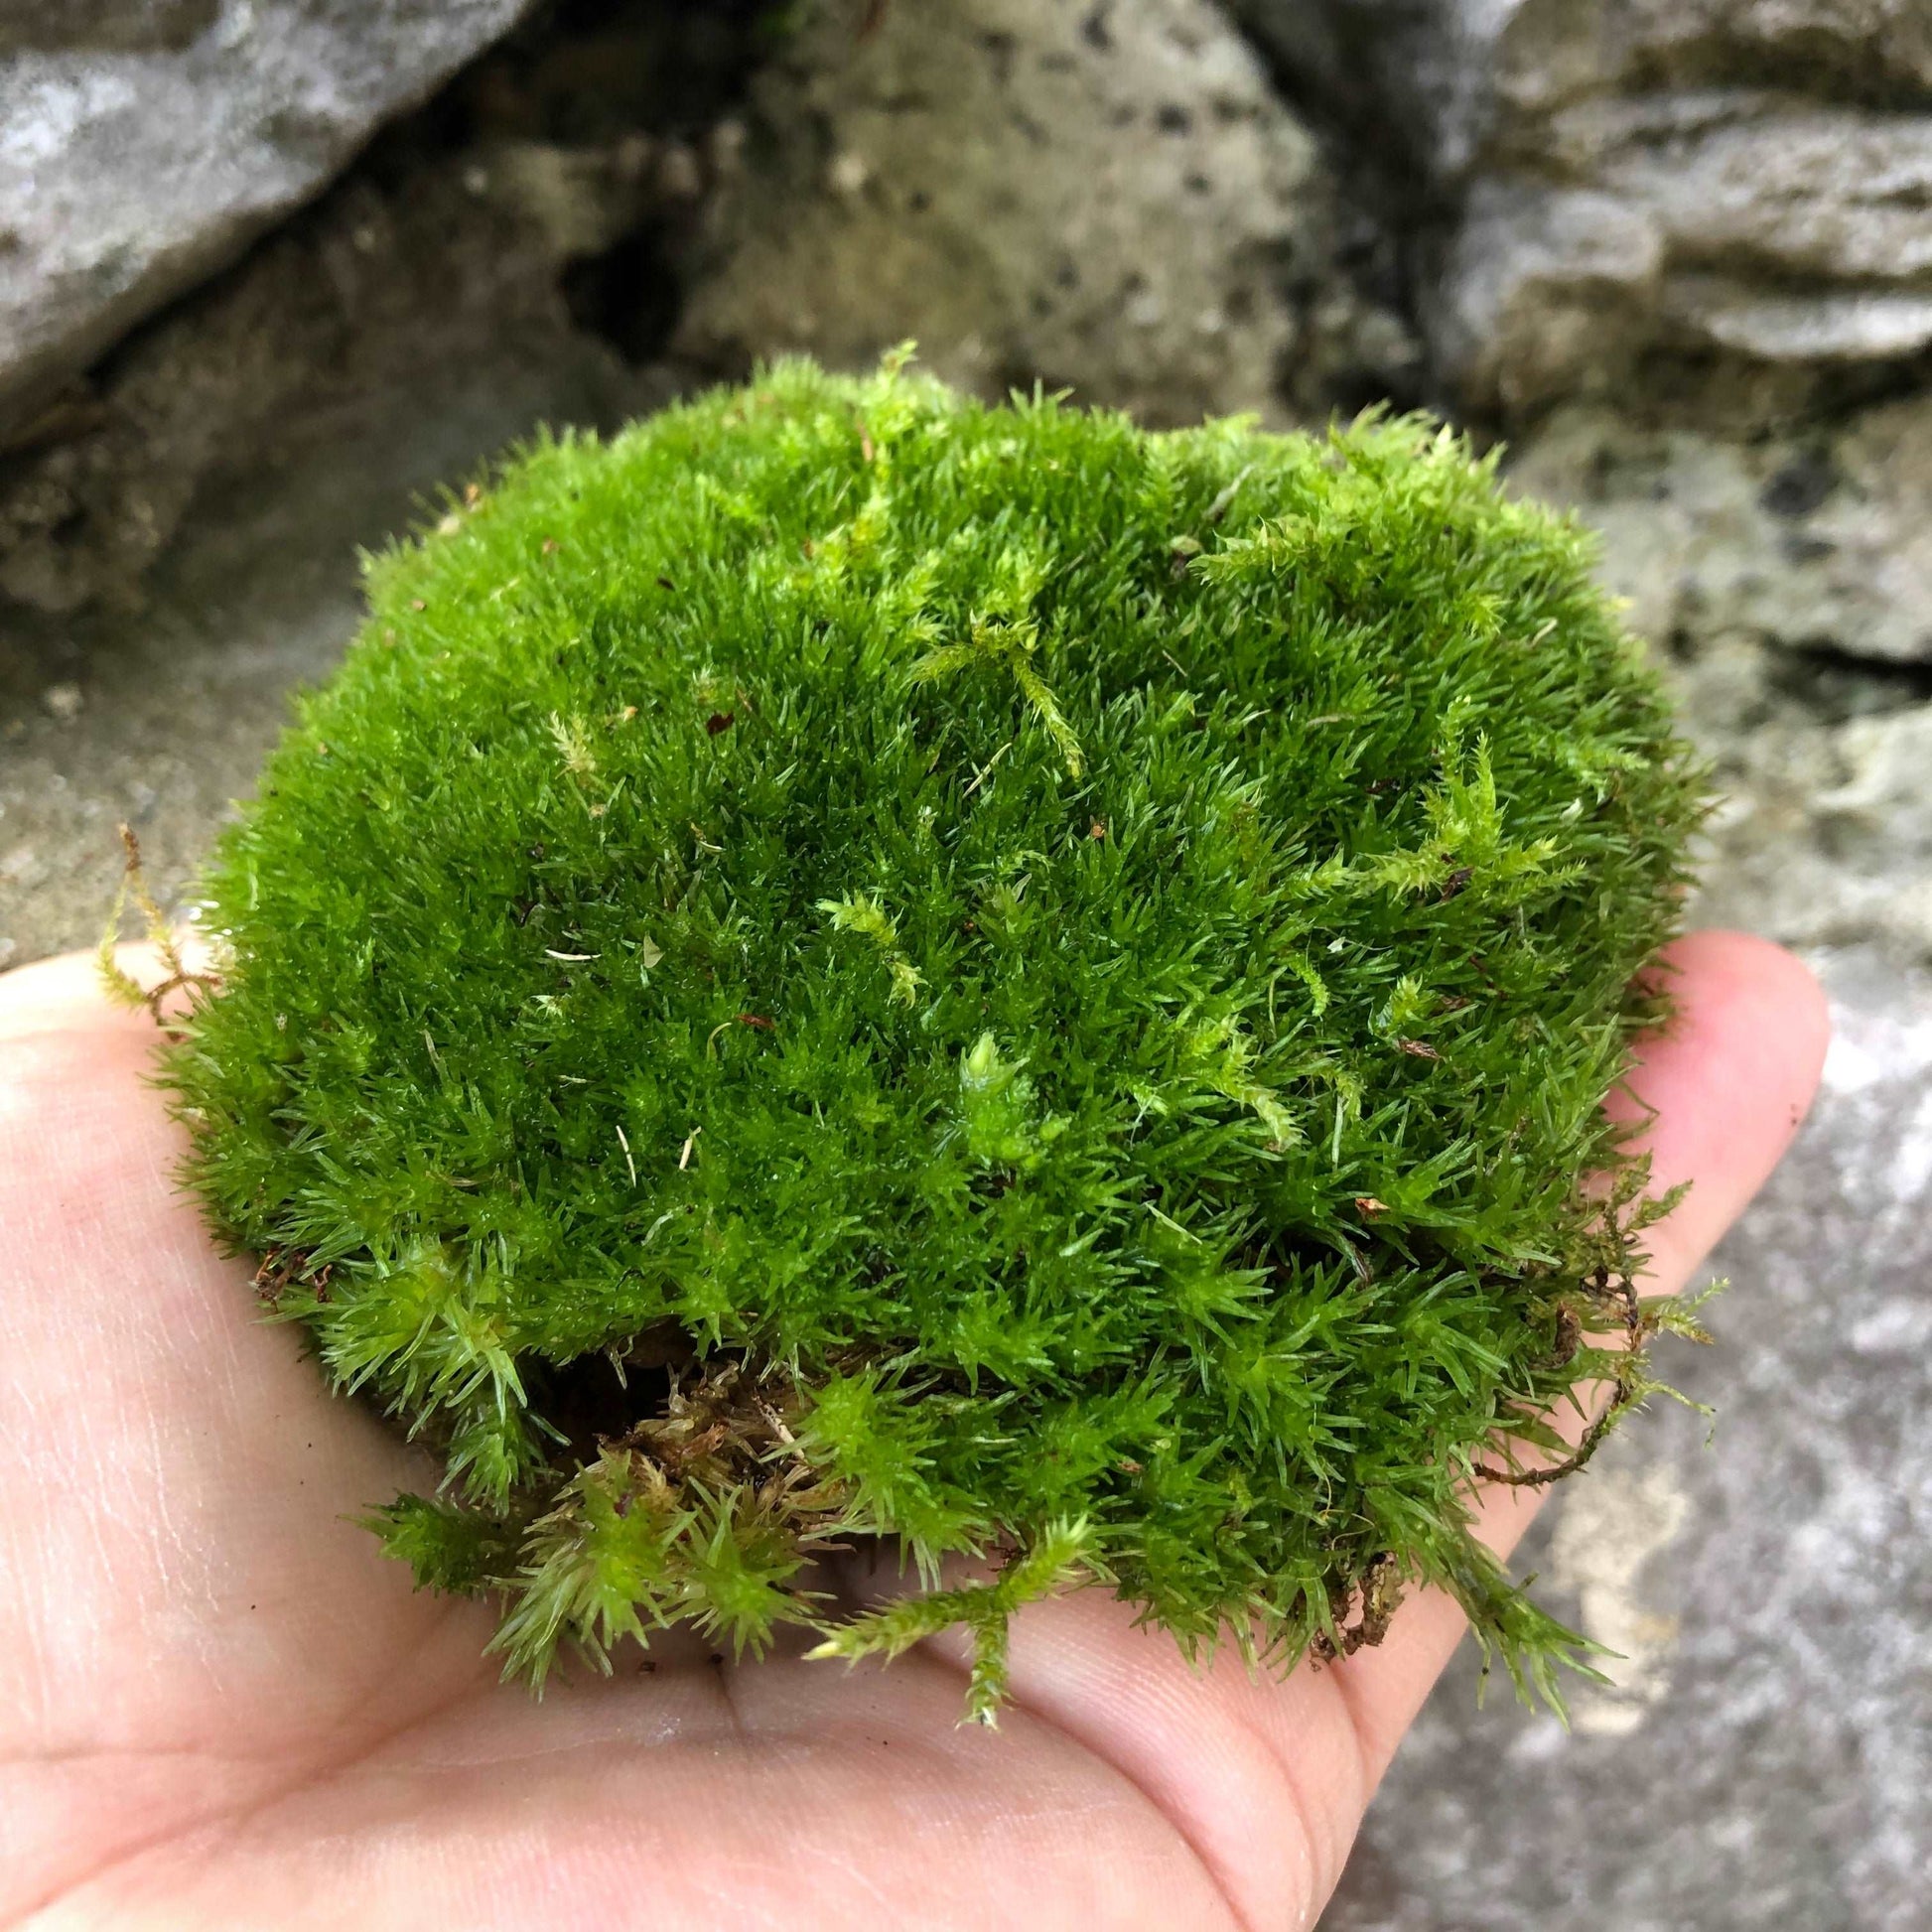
(221, 1707)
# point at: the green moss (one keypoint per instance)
(849, 963)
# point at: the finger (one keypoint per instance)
(53, 995)
(1726, 1085)
(175, 1529)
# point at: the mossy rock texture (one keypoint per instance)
(849, 964)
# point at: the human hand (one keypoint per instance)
(222, 1708)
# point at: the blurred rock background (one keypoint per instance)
(274, 271)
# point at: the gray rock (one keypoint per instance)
(1787, 584)
(1417, 78)
(145, 146)
(1104, 194)
(1535, 280)
(1825, 833)
(441, 281)
(187, 554)
(1764, 1763)
(1818, 536)
(1746, 177)
(105, 26)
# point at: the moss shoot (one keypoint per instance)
(851, 964)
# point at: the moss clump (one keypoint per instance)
(851, 963)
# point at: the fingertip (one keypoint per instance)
(1726, 1083)
(69, 992)
(1749, 973)
(51, 995)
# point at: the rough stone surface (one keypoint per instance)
(392, 293)
(1604, 182)
(143, 146)
(1103, 195)
(1824, 836)
(1766, 1765)
(185, 554)
(1816, 536)
(1788, 582)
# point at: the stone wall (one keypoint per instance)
(272, 271)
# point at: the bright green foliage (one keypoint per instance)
(1057, 1554)
(849, 963)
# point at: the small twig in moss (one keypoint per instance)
(122, 985)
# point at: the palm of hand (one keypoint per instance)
(222, 1707)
